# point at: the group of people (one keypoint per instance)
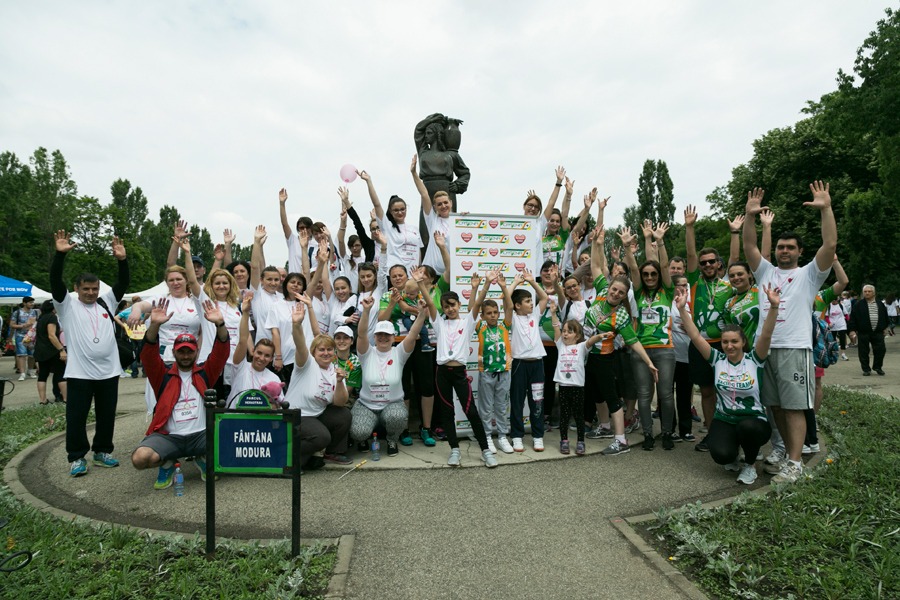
(360, 331)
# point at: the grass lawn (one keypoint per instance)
(835, 535)
(81, 561)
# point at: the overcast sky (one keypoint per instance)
(213, 106)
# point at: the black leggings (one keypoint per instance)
(750, 433)
(571, 403)
(52, 366)
(684, 390)
(550, 385)
(842, 336)
(447, 380)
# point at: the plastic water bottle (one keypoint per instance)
(376, 447)
(179, 480)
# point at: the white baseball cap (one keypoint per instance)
(345, 330)
(385, 327)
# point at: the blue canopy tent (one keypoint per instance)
(12, 291)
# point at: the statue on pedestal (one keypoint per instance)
(437, 143)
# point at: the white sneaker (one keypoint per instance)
(790, 473)
(844, 356)
(490, 461)
(777, 455)
(774, 468)
(538, 444)
(518, 446)
(747, 475)
(453, 461)
(22, 376)
(491, 447)
(811, 449)
(733, 466)
(503, 444)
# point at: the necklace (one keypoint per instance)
(711, 291)
(95, 321)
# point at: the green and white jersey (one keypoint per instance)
(823, 301)
(654, 322)
(554, 247)
(601, 318)
(737, 386)
(353, 368)
(743, 310)
(708, 300)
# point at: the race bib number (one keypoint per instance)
(649, 316)
(380, 392)
(186, 411)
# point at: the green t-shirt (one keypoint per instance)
(708, 300)
(823, 299)
(494, 354)
(602, 318)
(743, 310)
(555, 246)
(353, 368)
(654, 329)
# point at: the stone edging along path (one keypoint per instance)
(626, 526)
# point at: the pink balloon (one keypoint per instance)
(348, 173)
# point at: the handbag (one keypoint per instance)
(123, 343)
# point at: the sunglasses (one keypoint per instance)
(705, 263)
(650, 274)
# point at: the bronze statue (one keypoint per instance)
(437, 142)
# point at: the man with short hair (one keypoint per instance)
(178, 427)
(788, 385)
(92, 366)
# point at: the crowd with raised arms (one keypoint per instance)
(364, 336)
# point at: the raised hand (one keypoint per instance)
(821, 196)
(660, 232)
(323, 252)
(63, 244)
(773, 295)
(439, 239)
(476, 280)
(602, 204)
(344, 194)
(118, 248)
(553, 272)
(551, 305)
(560, 174)
(647, 228)
(304, 298)
(570, 186)
(364, 176)
(419, 274)
(530, 194)
(681, 297)
(614, 253)
(181, 229)
(247, 301)
(767, 217)
(527, 276)
(367, 302)
(298, 313)
(737, 224)
(219, 252)
(576, 237)
(754, 202)
(303, 238)
(589, 200)
(282, 195)
(212, 313)
(412, 166)
(159, 314)
(228, 237)
(378, 236)
(340, 374)
(259, 235)
(690, 215)
(183, 243)
(519, 279)
(626, 236)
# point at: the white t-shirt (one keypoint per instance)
(312, 388)
(836, 317)
(453, 338)
(577, 311)
(570, 365)
(433, 253)
(382, 373)
(280, 317)
(232, 316)
(403, 245)
(247, 378)
(680, 339)
(83, 323)
(338, 308)
(322, 308)
(526, 335)
(188, 415)
(847, 303)
(186, 318)
(799, 288)
(295, 253)
(262, 304)
(891, 308)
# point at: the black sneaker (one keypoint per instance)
(393, 450)
(701, 445)
(688, 437)
(668, 444)
(314, 463)
(648, 443)
(879, 371)
(362, 446)
(676, 437)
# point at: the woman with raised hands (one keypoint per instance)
(437, 218)
(654, 294)
(366, 240)
(319, 289)
(533, 205)
(280, 324)
(739, 420)
(265, 282)
(381, 395)
(402, 236)
(320, 392)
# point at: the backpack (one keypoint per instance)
(825, 348)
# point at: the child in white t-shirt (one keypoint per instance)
(573, 350)
(527, 380)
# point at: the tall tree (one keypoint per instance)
(655, 194)
(128, 209)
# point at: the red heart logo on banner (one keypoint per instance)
(493, 224)
(466, 293)
(466, 236)
(519, 266)
(520, 239)
(466, 264)
(494, 251)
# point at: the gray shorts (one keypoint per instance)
(170, 447)
(789, 379)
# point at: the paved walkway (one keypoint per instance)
(537, 527)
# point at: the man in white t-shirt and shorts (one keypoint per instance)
(789, 377)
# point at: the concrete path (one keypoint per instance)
(537, 527)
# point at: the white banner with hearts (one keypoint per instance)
(483, 243)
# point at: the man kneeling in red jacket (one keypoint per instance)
(178, 427)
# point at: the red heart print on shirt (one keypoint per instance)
(105, 316)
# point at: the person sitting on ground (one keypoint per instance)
(739, 420)
(178, 427)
